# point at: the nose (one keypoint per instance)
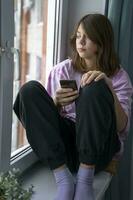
(82, 41)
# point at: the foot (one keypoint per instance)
(84, 185)
(65, 184)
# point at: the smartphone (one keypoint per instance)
(69, 84)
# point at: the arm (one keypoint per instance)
(61, 96)
(64, 96)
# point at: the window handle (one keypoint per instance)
(2, 50)
(15, 51)
(9, 51)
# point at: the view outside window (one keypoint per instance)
(31, 23)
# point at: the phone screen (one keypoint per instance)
(69, 84)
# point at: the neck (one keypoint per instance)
(90, 64)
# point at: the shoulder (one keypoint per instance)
(59, 71)
(63, 66)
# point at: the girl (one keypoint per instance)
(79, 130)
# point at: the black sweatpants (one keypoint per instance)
(92, 139)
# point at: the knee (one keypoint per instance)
(95, 89)
(29, 89)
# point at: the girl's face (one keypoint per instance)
(84, 46)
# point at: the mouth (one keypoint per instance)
(81, 49)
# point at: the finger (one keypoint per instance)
(68, 99)
(64, 90)
(91, 78)
(60, 97)
(66, 94)
(85, 77)
(100, 76)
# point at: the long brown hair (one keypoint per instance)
(99, 29)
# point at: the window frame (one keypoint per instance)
(6, 80)
(26, 157)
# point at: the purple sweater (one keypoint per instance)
(121, 85)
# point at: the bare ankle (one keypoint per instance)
(60, 168)
(86, 166)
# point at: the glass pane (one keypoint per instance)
(31, 29)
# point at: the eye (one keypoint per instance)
(78, 36)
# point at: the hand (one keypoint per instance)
(65, 96)
(96, 76)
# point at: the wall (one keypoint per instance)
(77, 9)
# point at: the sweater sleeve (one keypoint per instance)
(52, 83)
(59, 71)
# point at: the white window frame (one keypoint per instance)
(24, 158)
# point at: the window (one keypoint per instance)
(34, 44)
(30, 39)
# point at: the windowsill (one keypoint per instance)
(44, 185)
(23, 160)
(18, 151)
